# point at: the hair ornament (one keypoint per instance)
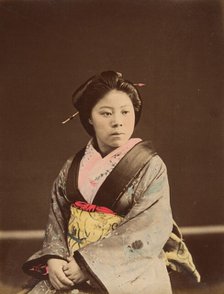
(69, 118)
(139, 85)
(119, 74)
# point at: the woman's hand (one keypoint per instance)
(56, 275)
(73, 271)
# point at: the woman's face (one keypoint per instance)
(113, 120)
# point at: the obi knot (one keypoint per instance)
(92, 207)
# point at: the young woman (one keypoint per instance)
(110, 218)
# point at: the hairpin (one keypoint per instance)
(139, 84)
(69, 118)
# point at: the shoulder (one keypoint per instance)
(67, 164)
(154, 168)
(157, 163)
(71, 161)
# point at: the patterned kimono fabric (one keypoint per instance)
(90, 223)
(80, 227)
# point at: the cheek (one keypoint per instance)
(95, 121)
(98, 125)
(131, 121)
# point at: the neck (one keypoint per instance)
(103, 151)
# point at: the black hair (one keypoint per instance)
(95, 88)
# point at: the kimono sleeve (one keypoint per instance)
(121, 259)
(54, 244)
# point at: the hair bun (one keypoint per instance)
(119, 74)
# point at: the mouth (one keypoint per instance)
(117, 134)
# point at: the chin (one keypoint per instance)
(119, 143)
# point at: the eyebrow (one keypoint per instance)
(105, 106)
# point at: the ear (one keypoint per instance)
(90, 121)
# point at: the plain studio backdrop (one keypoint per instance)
(48, 48)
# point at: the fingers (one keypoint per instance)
(70, 258)
(64, 280)
(76, 277)
(57, 277)
(79, 279)
(59, 281)
(68, 273)
(57, 284)
(63, 274)
(65, 268)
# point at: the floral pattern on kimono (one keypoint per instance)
(131, 256)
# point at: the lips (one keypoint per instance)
(117, 134)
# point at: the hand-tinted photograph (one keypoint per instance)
(112, 156)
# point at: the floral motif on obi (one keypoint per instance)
(89, 223)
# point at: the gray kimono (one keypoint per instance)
(131, 258)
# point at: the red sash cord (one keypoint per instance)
(92, 207)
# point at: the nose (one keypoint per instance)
(116, 125)
(116, 121)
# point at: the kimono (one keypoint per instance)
(113, 215)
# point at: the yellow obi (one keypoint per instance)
(89, 223)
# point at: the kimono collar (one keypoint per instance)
(94, 168)
(118, 179)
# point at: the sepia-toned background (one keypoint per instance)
(48, 48)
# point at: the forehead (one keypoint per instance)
(114, 98)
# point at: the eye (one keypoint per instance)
(106, 113)
(125, 112)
